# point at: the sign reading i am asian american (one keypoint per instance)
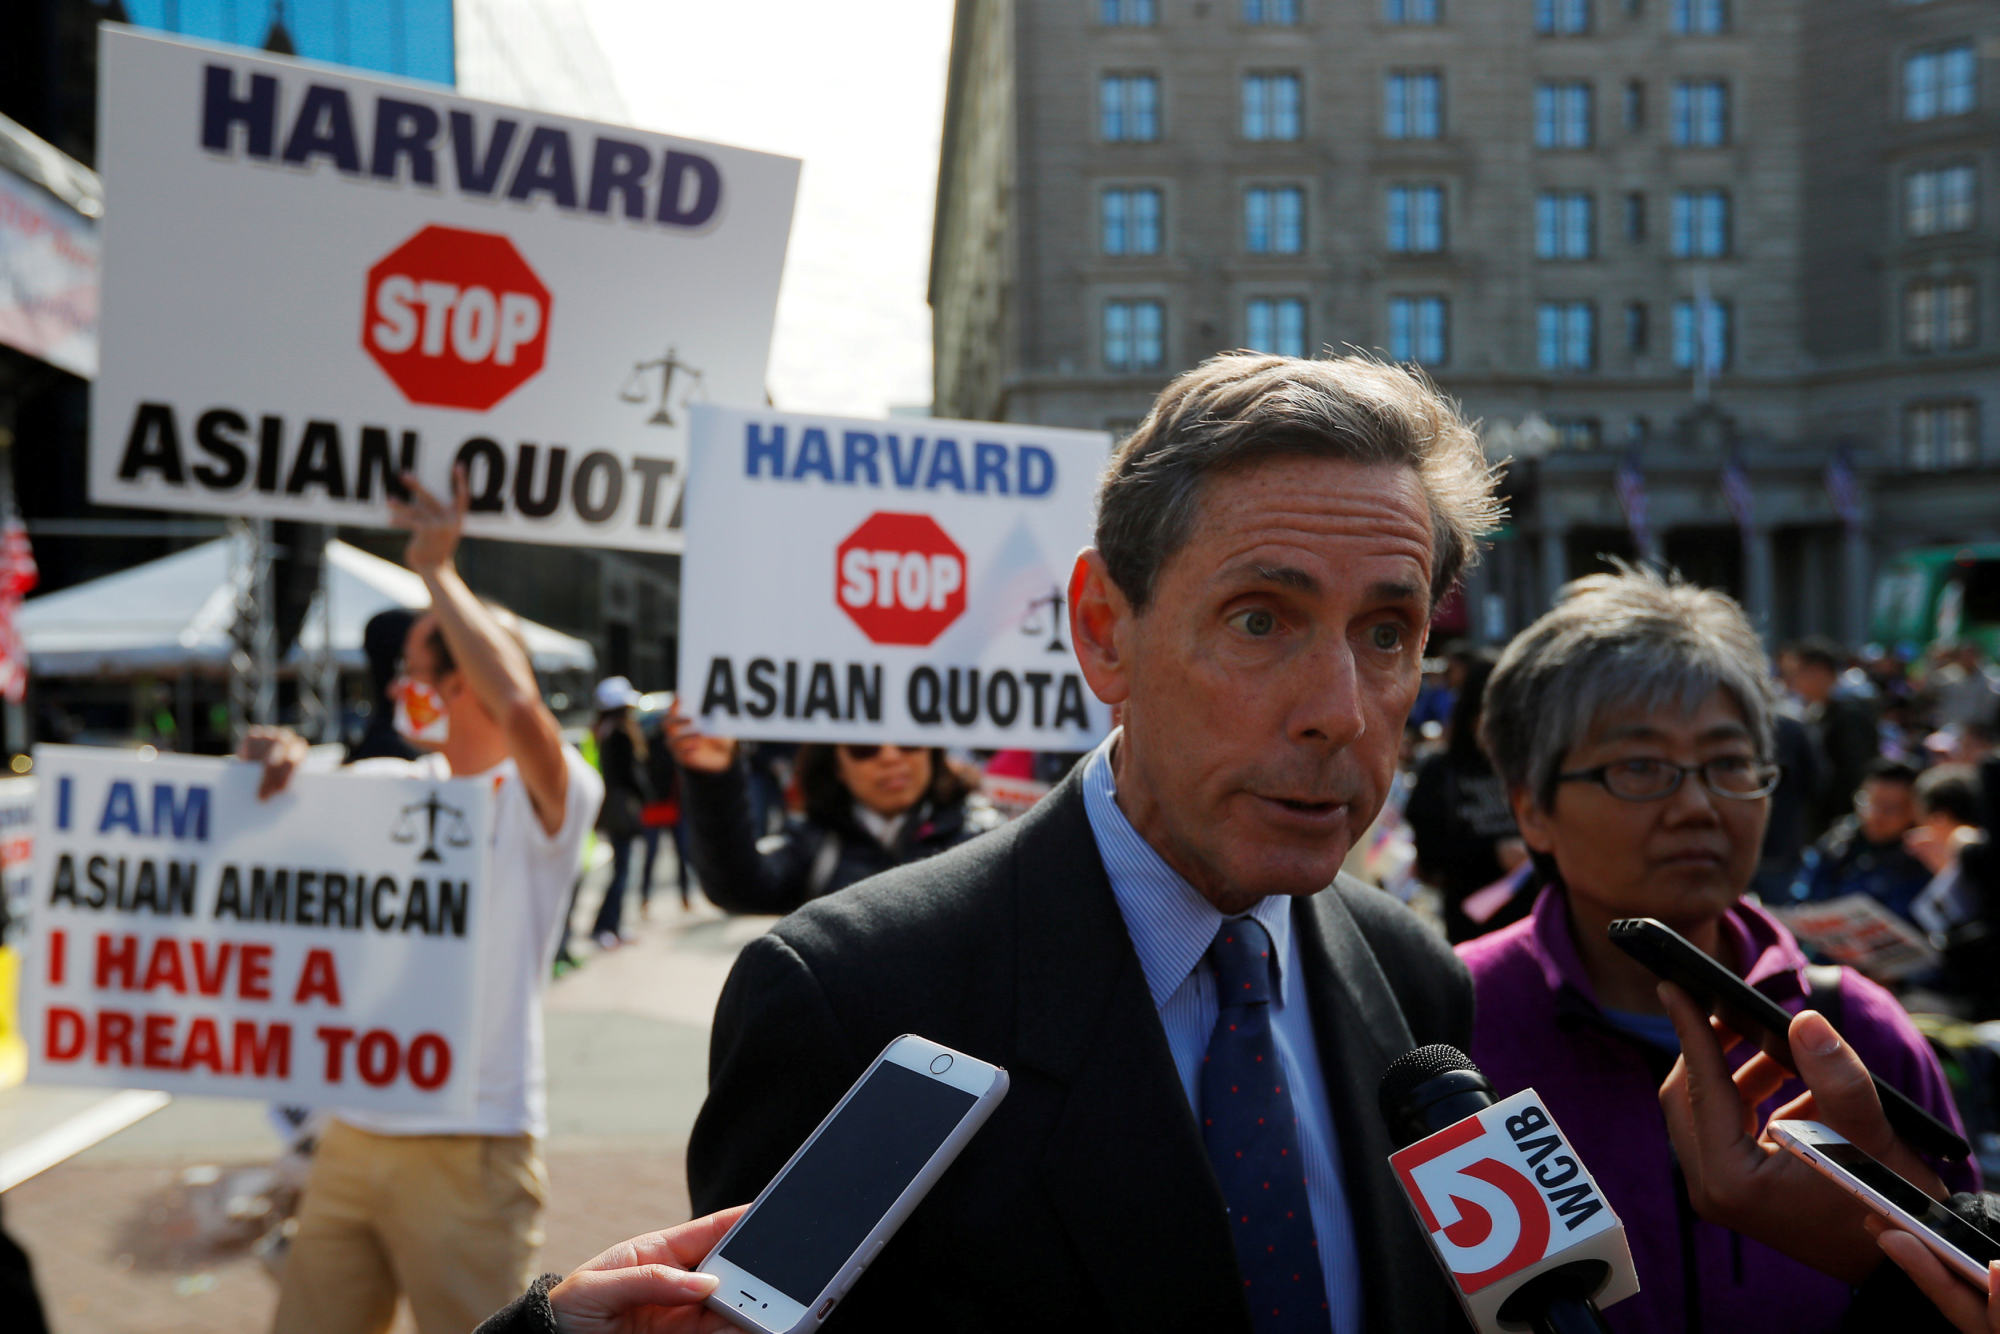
(889, 581)
(188, 937)
(315, 282)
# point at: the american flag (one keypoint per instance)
(1736, 490)
(1631, 486)
(17, 576)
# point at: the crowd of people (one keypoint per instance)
(1270, 544)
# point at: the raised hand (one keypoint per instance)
(695, 750)
(434, 526)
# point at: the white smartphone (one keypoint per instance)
(1963, 1247)
(834, 1206)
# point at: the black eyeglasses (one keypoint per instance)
(1737, 777)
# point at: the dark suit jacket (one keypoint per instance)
(1087, 1199)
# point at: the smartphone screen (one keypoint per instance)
(824, 1208)
(1976, 1245)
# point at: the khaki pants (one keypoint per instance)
(450, 1221)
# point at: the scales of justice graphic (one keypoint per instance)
(439, 820)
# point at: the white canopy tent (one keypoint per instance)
(174, 615)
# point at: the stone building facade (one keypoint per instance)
(1664, 234)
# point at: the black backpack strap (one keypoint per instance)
(1823, 991)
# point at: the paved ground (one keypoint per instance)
(627, 1046)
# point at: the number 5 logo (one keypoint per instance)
(1485, 1217)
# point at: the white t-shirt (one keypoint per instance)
(528, 895)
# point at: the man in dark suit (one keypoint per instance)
(1169, 924)
(1270, 544)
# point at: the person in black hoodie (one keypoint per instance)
(382, 642)
(1459, 818)
(868, 808)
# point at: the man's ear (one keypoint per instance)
(1100, 625)
(1531, 820)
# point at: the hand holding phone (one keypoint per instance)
(1751, 1014)
(1965, 1250)
(834, 1206)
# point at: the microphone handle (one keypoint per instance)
(1570, 1318)
(1554, 1303)
(1576, 1316)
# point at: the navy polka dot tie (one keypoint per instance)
(1252, 1133)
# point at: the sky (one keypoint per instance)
(857, 93)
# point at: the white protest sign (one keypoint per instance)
(314, 281)
(1862, 933)
(899, 581)
(320, 948)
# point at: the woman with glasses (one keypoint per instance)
(867, 808)
(1632, 727)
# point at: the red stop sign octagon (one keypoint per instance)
(900, 578)
(456, 318)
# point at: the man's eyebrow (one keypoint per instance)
(1288, 576)
(1394, 590)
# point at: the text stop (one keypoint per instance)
(456, 318)
(900, 578)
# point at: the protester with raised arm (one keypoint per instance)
(446, 1210)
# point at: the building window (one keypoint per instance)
(1940, 316)
(1276, 324)
(1416, 219)
(1410, 11)
(1940, 199)
(1565, 225)
(1635, 104)
(1700, 224)
(1708, 342)
(1941, 435)
(1270, 106)
(1131, 221)
(1419, 329)
(1274, 220)
(1941, 81)
(1564, 17)
(1413, 105)
(1578, 432)
(1272, 13)
(1562, 115)
(1636, 330)
(1700, 113)
(1635, 215)
(1128, 108)
(1127, 13)
(1134, 335)
(1701, 16)
(1566, 335)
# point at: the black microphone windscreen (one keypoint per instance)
(1412, 1068)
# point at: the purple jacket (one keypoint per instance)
(1536, 1024)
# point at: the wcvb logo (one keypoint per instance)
(1491, 1189)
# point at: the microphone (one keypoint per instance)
(1510, 1211)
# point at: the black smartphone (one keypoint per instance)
(1753, 1015)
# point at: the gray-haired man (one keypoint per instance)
(1270, 543)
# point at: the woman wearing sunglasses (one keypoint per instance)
(1632, 728)
(868, 808)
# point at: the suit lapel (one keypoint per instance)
(1360, 1029)
(1124, 1163)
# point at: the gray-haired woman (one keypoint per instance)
(1632, 728)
